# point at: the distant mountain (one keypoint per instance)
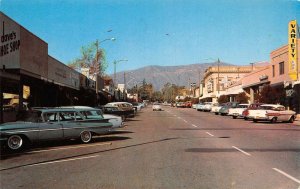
(160, 75)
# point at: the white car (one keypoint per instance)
(199, 107)
(215, 108)
(115, 120)
(207, 106)
(156, 107)
(273, 113)
(194, 106)
(238, 111)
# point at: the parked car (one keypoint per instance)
(52, 124)
(137, 106)
(200, 106)
(194, 106)
(273, 113)
(188, 104)
(207, 106)
(225, 109)
(115, 110)
(215, 108)
(248, 113)
(156, 107)
(180, 105)
(95, 113)
(125, 106)
(238, 111)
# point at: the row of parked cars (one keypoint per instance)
(256, 111)
(67, 122)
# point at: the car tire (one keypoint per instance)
(292, 119)
(15, 142)
(216, 113)
(234, 117)
(85, 136)
(123, 117)
(273, 120)
(245, 118)
(255, 120)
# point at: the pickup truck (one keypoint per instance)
(273, 113)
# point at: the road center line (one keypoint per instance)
(209, 134)
(241, 151)
(66, 148)
(287, 175)
(65, 160)
(185, 120)
(194, 125)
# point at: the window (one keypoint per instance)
(273, 70)
(281, 68)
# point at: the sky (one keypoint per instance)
(159, 32)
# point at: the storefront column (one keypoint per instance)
(20, 95)
(1, 100)
(251, 95)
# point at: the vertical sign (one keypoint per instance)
(293, 64)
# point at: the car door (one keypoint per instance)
(51, 128)
(71, 124)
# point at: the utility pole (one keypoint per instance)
(218, 84)
(97, 71)
(124, 92)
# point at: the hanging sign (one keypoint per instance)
(292, 50)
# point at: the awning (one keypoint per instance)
(256, 84)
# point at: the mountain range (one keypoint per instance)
(160, 75)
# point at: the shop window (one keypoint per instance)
(273, 70)
(281, 68)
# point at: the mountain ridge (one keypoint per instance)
(181, 75)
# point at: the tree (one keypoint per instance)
(93, 58)
(272, 95)
(242, 98)
(157, 96)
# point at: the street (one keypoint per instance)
(173, 148)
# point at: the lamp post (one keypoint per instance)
(97, 62)
(115, 69)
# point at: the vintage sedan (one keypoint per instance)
(51, 124)
(156, 106)
(273, 113)
(238, 111)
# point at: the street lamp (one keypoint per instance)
(115, 68)
(97, 62)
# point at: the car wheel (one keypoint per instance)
(292, 119)
(216, 113)
(245, 118)
(273, 120)
(255, 120)
(85, 136)
(123, 117)
(234, 117)
(15, 142)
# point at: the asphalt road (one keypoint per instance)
(174, 148)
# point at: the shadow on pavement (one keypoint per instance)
(6, 154)
(88, 154)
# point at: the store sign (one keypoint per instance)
(292, 50)
(10, 42)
